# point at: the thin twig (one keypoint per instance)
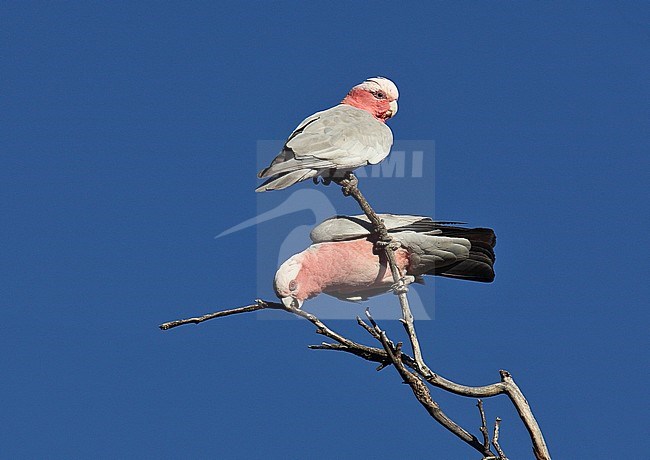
(368, 329)
(484, 429)
(219, 314)
(495, 440)
(344, 344)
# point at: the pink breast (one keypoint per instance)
(345, 267)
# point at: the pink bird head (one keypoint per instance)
(377, 95)
(286, 282)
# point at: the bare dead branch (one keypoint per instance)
(508, 387)
(423, 395)
(505, 386)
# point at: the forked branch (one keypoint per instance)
(422, 393)
(381, 356)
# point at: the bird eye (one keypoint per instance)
(293, 285)
(380, 95)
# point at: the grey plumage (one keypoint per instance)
(342, 138)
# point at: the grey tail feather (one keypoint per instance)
(277, 167)
(479, 266)
(282, 181)
(263, 172)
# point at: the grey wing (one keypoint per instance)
(342, 137)
(464, 253)
(287, 154)
(341, 228)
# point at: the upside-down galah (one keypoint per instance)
(343, 262)
(337, 140)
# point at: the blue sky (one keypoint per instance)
(129, 137)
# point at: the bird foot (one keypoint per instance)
(401, 287)
(348, 183)
(380, 245)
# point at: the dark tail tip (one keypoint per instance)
(479, 266)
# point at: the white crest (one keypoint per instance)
(287, 272)
(381, 83)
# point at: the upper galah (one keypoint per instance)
(337, 140)
(343, 264)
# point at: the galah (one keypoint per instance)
(342, 261)
(337, 140)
